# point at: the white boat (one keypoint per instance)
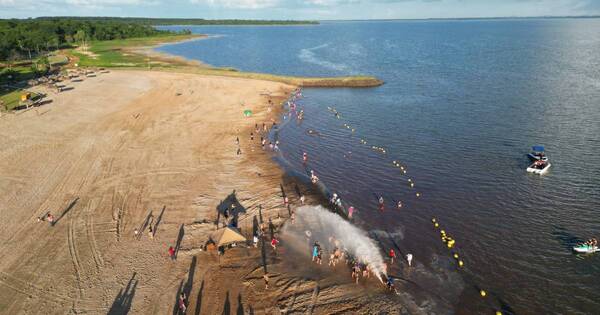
(587, 249)
(539, 167)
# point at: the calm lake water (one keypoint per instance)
(463, 103)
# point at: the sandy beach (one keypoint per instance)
(116, 148)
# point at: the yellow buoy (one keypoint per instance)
(455, 256)
(498, 313)
(436, 224)
(418, 195)
(412, 185)
(443, 232)
(482, 293)
(460, 263)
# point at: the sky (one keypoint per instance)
(299, 9)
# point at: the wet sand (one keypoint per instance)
(118, 147)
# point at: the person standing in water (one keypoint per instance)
(409, 258)
(381, 204)
(350, 212)
(304, 157)
(399, 204)
(392, 255)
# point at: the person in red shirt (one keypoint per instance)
(172, 252)
(274, 243)
(392, 255)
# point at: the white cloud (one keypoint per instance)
(107, 2)
(239, 4)
(27, 4)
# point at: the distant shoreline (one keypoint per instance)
(474, 18)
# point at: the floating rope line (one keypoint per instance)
(445, 237)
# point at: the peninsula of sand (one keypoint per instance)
(129, 149)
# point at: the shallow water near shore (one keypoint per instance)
(462, 104)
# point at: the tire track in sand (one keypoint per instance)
(75, 257)
(89, 229)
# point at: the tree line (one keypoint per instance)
(21, 39)
(166, 21)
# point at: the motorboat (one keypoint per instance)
(586, 248)
(539, 167)
(537, 153)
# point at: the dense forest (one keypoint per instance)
(21, 39)
(159, 21)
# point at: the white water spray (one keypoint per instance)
(315, 223)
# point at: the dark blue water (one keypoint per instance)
(462, 104)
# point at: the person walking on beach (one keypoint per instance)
(409, 258)
(172, 252)
(266, 278)
(274, 243)
(255, 240)
(251, 136)
(392, 255)
(182, 306)
(315, 251)
(150, 232)
(50, 219)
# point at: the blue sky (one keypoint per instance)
(299, 9)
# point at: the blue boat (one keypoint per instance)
(537, 153)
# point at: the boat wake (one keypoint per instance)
(308, 55)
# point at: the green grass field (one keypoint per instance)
(115, 53)
(10, 99)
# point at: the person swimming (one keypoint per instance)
(312, 132)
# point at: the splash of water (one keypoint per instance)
(315, 223)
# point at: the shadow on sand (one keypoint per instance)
(122, 303)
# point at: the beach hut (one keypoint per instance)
(227, 236)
